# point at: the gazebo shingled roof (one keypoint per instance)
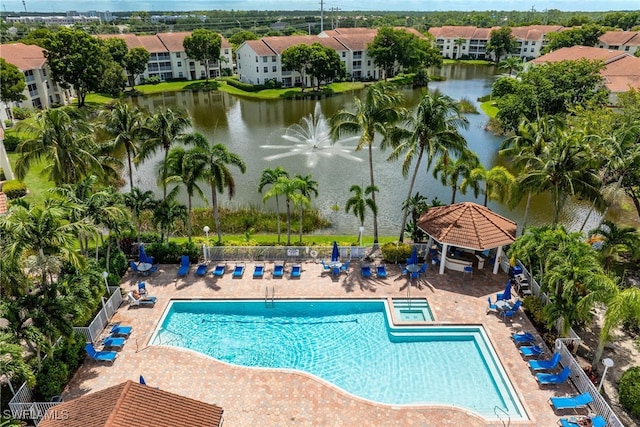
(468, 225)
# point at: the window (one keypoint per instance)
(273, 58)
(226, 51)
(257, 69)
(274, 69)
(180, 74)
(266, 69)
(264, 59)
(256, 59)
(36, 103)
(526, 43)
(178, 55)
(344, 54)
(533, 43)
(179, 63)
(369, 63)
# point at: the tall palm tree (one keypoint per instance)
(166, 214)
(360, 201)
(139, 201)
(416, 206)
(458, 43)
(161, 131)
(512, 63)
(269, 177)
(184, 167)
(451, 170)
(65, 140)
(307, 187)
(498, 183)
(124, 124)
(216, 160)
(290, 189)
(615, 240)
(379, 113)
(432, 131)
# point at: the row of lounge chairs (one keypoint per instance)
(114, 341)
(258, 270)
(381, 271)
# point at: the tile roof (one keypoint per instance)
(259, 47)
(468, 225)
(575, 53)
(617, 38)
(24, 56)
(130, 39)
(281, 43)
(133, 404)
(3, 204)
(153, 44)
(173, 41)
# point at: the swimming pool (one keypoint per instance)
(351, 344)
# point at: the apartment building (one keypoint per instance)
(41, 91)
(168, 60)
(627, 41)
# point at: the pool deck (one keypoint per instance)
(251, 396)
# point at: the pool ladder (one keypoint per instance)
(496, 409)
(269, 302)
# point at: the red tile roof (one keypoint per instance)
(130, 39)
(468, 225)
(24, 56)
(120, 406)
(152, 44)
(259, 47)
(617, 38)
(575, 53)
(172, 41)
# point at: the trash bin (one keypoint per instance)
(515, 270)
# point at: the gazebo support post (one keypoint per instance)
(443, 257)
(496, 264)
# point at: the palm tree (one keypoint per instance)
(451, 170)
(379, 113)
(360, 201)
(416, 206)
(458, 42)
(290, 188)
(12, 363)
(615, 240)
(434, 131)
(166, 215)
(138, 201)
(307, 187)
(65, 140)
(216, 160)
(512, 63)
(124, 124)
(498, 183)
(269, 177)
(162, 131)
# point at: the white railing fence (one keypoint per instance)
(280, 253)
(102, 319)
(565, 346)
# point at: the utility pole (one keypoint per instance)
(321, 15)
(333, 11)
(24, 3)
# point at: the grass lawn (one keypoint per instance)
(466, 61)
(489, 108)
(307, 240)
(36, 183)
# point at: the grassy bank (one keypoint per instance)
(466, 61)
(489, 108)
(36, 183)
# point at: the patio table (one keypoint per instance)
(144, 267)
(503, 305)
(413, 268)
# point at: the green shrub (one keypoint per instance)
(535, 309)
(244, 86)
(421, 78)
(393, 253)
(51, 379)
(8, 123)
(171, 252)
(2, 175)
(154, 80)
(71, 351)
(629, 390)
(20, 113)
(14, 189)
(11, 142)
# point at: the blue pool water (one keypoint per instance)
(351, 345)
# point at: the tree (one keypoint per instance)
(113, 80)
(433, 130)
(216, 160)
(585, 35)
(297, 58)
(138, 201)
(360, 201)
(76, 59)
(124, 124)
(270, 177)
(325, 64)
(242, 36)
(416, 206)
(289, 188)
(307, 187)
(117, 48)
(166, 215)
(65, 139)
(13, 83)
(512, 63)
(162, 130)
(380, 112)
(498, 183)
(615, 241)
(451, 170)
(135, 62)
(458, 44)
(501, 42)
(204, 46)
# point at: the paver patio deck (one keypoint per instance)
(252, 396)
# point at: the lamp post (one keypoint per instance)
(206, 251)
(106, 282)
(360, 236)
(608, 363)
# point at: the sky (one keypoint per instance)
(60, 6)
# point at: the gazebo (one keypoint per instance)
(467, 226)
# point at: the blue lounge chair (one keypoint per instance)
(366, 271)
(597, 421)
(147, 301)
(113, 342)
(545, 365)
(549, 379)
(523, 338)
(142, 288)
(491, 307)
(296, 270)
(201, 270)
(219, 270)
(238, 271)
(531, 350)
(278, 270)
(381, 271)
(134, 267)
(121, 331)
(100, 356)
(258, 271)
(571, 402)
(184, 266)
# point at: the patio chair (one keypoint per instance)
(142, 288)
(381, 271)
(121, 331)
(366, 271)
(296, 270)
(416, 274)
(201, 270)
(554, 379)
(134, 267)
(335, 271)
(113, 342)
(278, 270)
(571, 402)
(545, 365)
(258, 271)
(345, 266)
(100, 356)
(467, 271)
(185, 264)
(597, 421)
(491, 307)
(141, 302)
(238, 271)
(153, 269)
(531, 350)
(219, 270)
(514, 310)
(325, 267)
(523, 338)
